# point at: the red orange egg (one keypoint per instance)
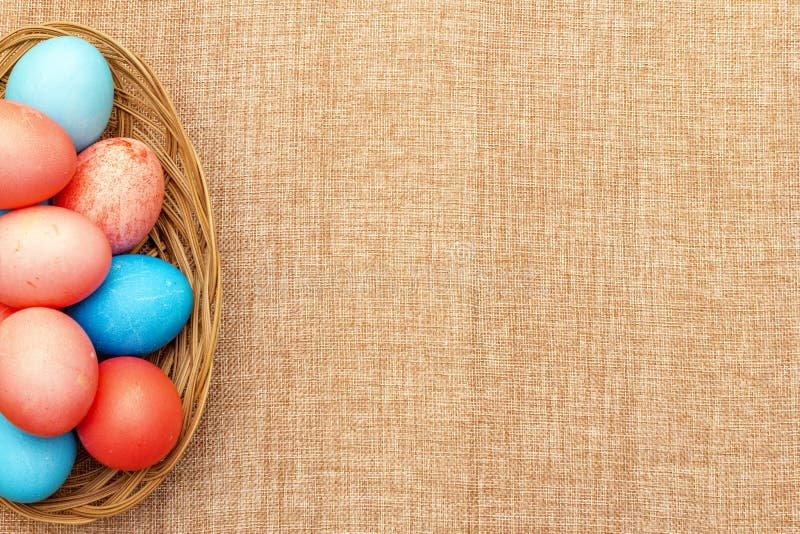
(136, 417)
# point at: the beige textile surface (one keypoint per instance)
(488, 266)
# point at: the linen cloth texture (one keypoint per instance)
(488, 266)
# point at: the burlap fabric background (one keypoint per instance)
(489, 266)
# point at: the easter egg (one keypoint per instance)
(118, 185)
(68, 79)
(37, 158)
(136, 417)
(33, 467)
(50, 256)
(48, 371)
(140, 307)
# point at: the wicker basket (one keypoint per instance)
(184, 236)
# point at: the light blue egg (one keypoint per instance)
(33, 468)
(68, 79)
(140, 307)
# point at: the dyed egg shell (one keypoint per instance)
(5, 311)
(136, 417)
(118, 185)
(50, 256)
(33, 467)
(48, 371)
(37, 158)
(140, 307)
(68, 79)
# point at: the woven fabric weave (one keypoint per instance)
(488, 266)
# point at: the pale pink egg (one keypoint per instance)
(50, 257)
(37, 158)
(119, 185)
(48, 371)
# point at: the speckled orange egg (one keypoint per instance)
(119, 185)
(37, 157)
(48, 371)
(50, 257)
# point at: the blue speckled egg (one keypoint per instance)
(68, 79)
(142, 305)
(33, 467)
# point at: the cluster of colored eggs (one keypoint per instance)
(71, 210)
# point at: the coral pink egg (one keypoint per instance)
(136, 417)
(119, 185)
(50, 257)
(37, 157)
(48, 371)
